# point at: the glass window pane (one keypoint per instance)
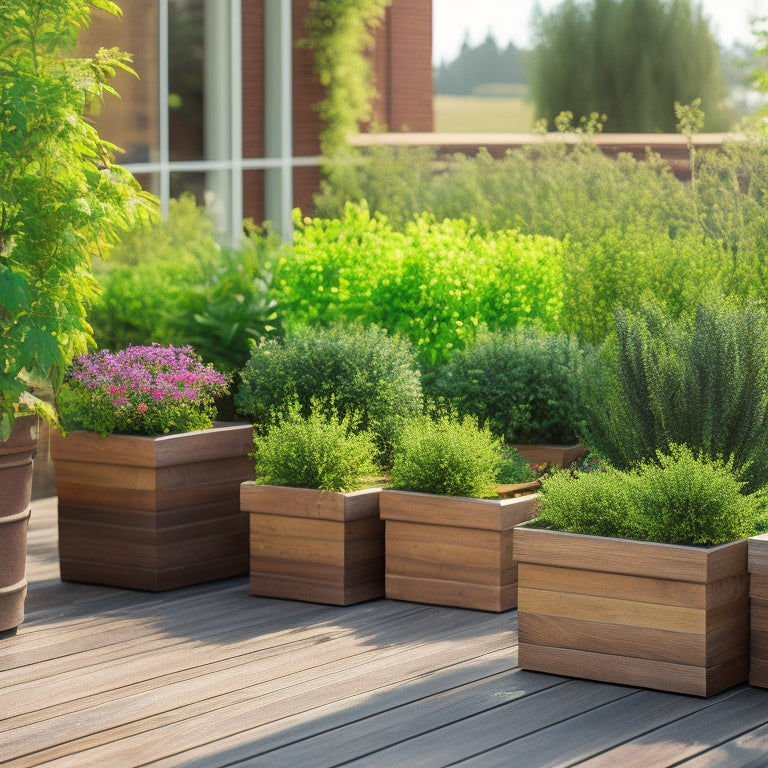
(185, 79)
(130, 122)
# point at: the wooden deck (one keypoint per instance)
(208, 676)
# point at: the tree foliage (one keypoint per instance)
(62, 199)
(487, 63)
(628, 59)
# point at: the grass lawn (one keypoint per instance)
(469, 114)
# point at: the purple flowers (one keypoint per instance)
(146, 390)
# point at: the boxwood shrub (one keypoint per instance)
(364, 372)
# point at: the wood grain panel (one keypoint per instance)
(428, 509)
(660, 675)
(326, 547)
(615, 639)
(606, 610)
(653, 590)
(631, 558)
(459, 594)
(180, 520)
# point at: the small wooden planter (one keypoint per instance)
(669, 617)
(317, 546)
(557, 455)
(452, 551)
(758, 610)
(152, 513)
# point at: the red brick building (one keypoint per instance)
(224, 104)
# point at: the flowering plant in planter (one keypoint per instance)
(146, 390)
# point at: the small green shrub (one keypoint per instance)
(365, 372)
(319, 451)
(514, 468)
(699, 381)
(678, 498)
(446, 456)
(524, 383)
(595, 504)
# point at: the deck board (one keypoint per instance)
(209, 676)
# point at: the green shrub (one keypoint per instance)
(595, 504)
(171, 283)
(435, 283)
(446, 456)
(619, 267)
(317, 451)
(700, 382)
(678, 498)
(365, 372)
(146, 284)
(514, 468)
(524, 383)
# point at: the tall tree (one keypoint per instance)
(628, 59)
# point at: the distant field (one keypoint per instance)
(467, 114)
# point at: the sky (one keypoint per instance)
(509, 20)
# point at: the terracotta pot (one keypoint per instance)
(318, 546)
(152, 513)
(663, 616)
(16, 456)
(452, 551)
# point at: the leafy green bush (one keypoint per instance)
(619, 268)
(435, 283)
(700, 381)
(361, 372)
(514, 468)
(524, 383)
(678, 498)
(319, 451)
(446, 456)
(171, 283)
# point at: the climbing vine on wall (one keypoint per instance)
(340, 33)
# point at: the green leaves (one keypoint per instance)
(435, 283)
(61, 202)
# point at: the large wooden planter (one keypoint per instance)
(16, 455)
(452, 551)
(662, 616)
(758, 610)
(557, 455)
(318, 546)
(152, 513)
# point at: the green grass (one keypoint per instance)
(470, 114)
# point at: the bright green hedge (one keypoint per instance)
(436, 282)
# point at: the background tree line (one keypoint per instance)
(630, 60)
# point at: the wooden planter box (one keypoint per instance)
(558, 455)
(317, 546)
(16, 455)
(452, 551)
(758, 610)
(662, 616)
(152, 513)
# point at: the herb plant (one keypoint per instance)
(447, 456)
(523, 382)
(678, 497)
(362, 372)
(701, 381)
(319, 451)
(141, 390)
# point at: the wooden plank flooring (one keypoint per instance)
(209, 676)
